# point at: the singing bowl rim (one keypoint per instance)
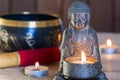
(54, 22)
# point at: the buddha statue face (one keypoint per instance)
(80, 20)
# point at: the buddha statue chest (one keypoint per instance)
(80, 42)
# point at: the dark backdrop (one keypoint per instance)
(105, 14)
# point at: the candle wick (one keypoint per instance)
(84, 62)
(37, 68)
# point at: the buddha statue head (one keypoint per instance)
(79, 15)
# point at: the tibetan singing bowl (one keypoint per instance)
(29, 31)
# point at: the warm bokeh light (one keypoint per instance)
(83, 57)
(36, 65)
(59, 37)
(109, 42)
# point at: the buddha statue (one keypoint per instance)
(79, 36)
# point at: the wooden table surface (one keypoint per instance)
(110, 63)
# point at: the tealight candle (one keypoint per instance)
(83, 60)
(81, 67)
(108, 48)
(36, 70)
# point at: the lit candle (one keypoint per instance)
(108, 48)
(81, 67)
(83, 60)
(36, 70)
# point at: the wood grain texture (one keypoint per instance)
(65, 6)
(4, 6)
(104, 13)
(50, 7)
(117, 15)
(101, 15)
(23, 5)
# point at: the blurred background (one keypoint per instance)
(105, 14)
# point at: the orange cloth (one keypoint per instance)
(9, 59)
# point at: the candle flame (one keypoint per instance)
(109, 42)
(36, 65)
(83, 57)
